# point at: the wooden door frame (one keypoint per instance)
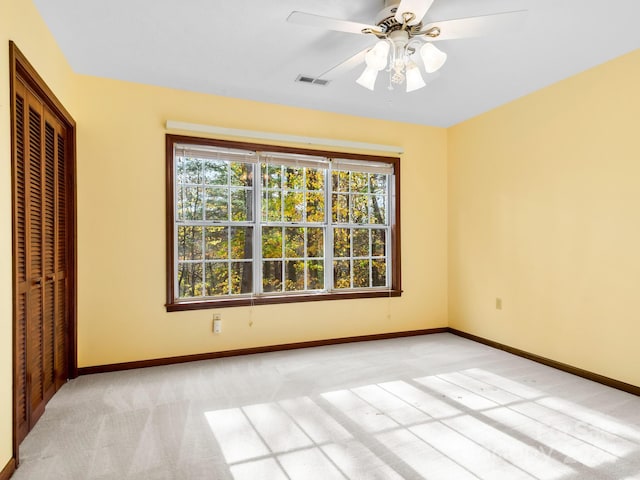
(20, 68)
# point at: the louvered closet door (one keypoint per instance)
(40, 236)
(20, 257)
(53, 257)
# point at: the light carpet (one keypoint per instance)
(432, 407)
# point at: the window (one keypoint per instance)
(254, 224)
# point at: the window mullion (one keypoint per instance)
(391, 220)
(282, 192)
(351, 258)
(283, 270)
(204, 227)
(305, 262)
(304, 230)
(370, 257)
(328, 230)
(228, 228)
(176, 265)
(257, 229)
(229, 250)
(350, 216)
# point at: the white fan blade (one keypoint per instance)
(417, 7)
(309, 19)
(478, 26)
(343, 67)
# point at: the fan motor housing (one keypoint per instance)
(387, 22)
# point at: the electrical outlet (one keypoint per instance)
(498, 304)
(217, 323)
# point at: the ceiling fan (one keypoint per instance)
(404, 41)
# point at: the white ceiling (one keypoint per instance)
(246, 49)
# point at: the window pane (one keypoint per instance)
(241, 174)
(294, 242)
(360, 208)
(241, 277)
(360, 242)
(294, 272)
(217, 278)
(271, 242)
(341, 274)
(315, 242)
(217, 208)
(189, 279)
(360, 273)
(379, 273)
(340, 208)
(272, 206)
(216, 243)
(189, 243)
(189, 203)
(272, 276)
(241, 242)
(340, 181)
(378, 183)
(315, 275)
(241, 205)
(315, 207)
(341, 242)
(315, 179)
(215, 172)
(293, 178)
(271, 176)
(359, 182)
(189, 170)
(293, 207)
(378, 242)
(378, 209)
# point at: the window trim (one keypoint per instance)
(174, 305)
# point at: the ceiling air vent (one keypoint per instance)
(311, 80)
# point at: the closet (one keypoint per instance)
(42, 249)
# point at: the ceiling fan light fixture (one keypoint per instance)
(432, 57)
(401, 35)
(376, 58)
(414, 80)
(368, 78)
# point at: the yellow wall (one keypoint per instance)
(543, 213)
(20, 22)
(121, 228)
